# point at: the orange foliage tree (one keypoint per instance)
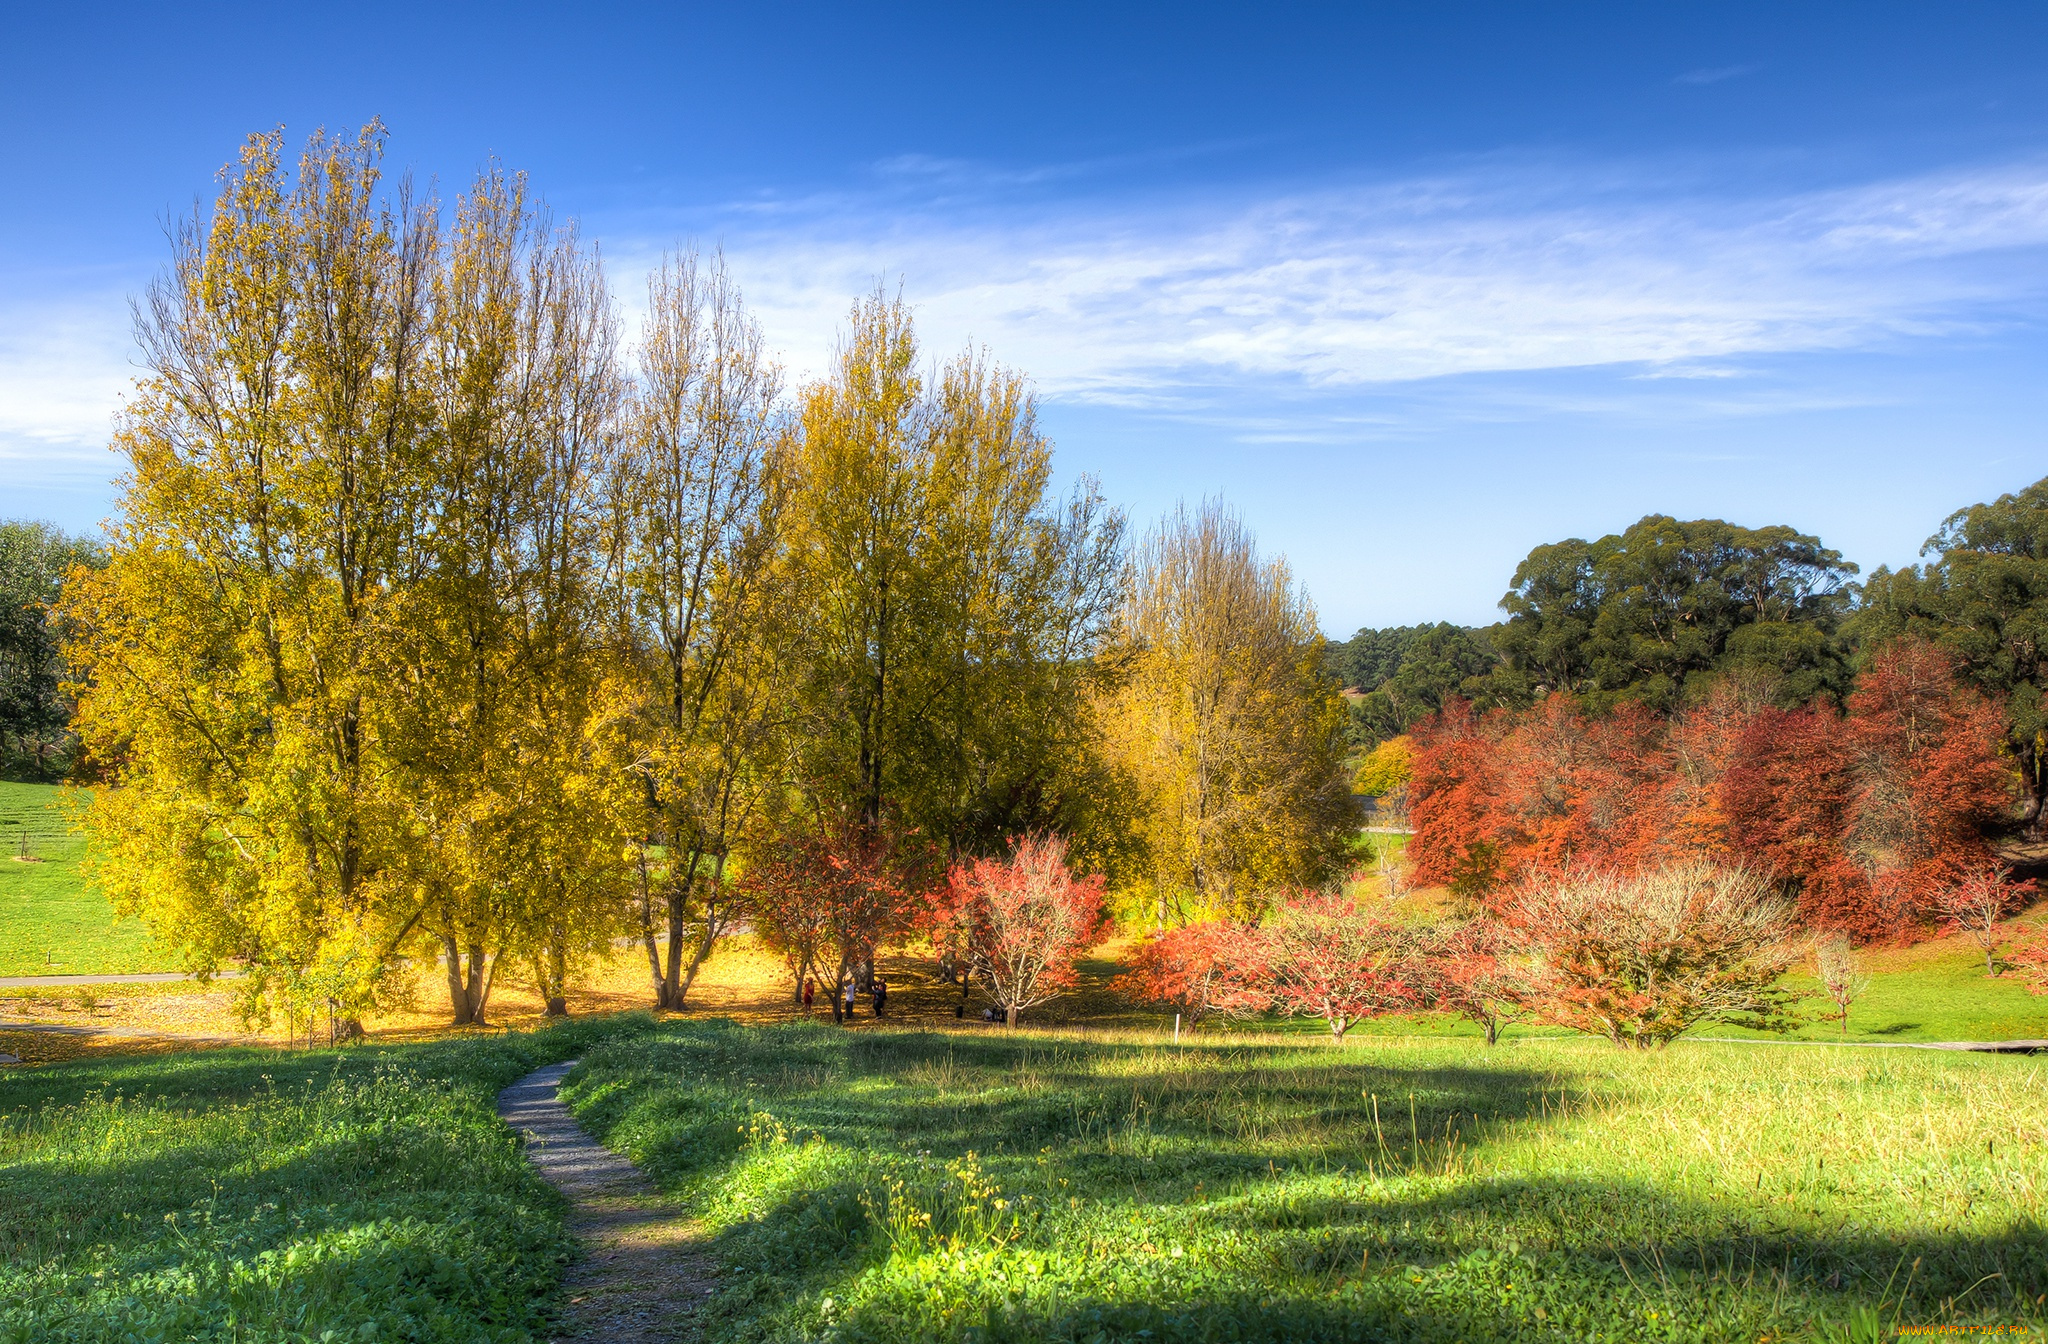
(1864, 815)
(1024, 920)
(1198, 969)
(824, 904)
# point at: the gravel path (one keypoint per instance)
(129, 978)
(644, 1270)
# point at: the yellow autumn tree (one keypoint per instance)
(345, 669)
(695, 506)
(494, 727)
(950, 611)
(230, 653)
(1226, 723)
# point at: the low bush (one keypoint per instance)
(1642, 959)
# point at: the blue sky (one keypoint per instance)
(1416, 287)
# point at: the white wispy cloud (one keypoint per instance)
(1418, 280)
(1173, 305)
(63, 370)
(1715, 74)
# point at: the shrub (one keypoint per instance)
(1197, 969)
(1321, 956)
(1641, 959)
(1025, 919)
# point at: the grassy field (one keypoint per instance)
(368, 1194)
(885, 1184)
(995, 1186)
(49, 923)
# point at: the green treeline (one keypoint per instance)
(1661, 612)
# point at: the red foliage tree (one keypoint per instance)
(790, 906)
(1321, 956)
(1871, 815)
(1454, 791)
(1977, 903)
(1024, 920)
(1865, 815)
(1499, 797)
(1199, 969)
(1929, 780)
(1789, 798)
(1470, 970)
(828, 901)
(1702, 746)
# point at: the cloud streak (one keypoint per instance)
(1176, 306)
(1715, 75)
(1347, 289)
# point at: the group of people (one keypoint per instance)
(879, 993)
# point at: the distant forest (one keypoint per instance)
(1660, 613)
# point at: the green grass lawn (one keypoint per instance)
(49, 923)
(994, 1186)
(365, 1194)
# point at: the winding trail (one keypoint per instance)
(644, 1271)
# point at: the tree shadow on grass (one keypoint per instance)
(1319, 1220)
(679, 1101)
(1346, 1271)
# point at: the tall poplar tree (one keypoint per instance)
(503, 652)
(230, 651)
(694, 515)
(1227, 723)
(951, 614)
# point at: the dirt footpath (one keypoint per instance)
(644, 1273)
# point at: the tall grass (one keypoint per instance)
(925, 1186)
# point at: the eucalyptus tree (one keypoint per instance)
(1983, 597)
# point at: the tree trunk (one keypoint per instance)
(477, 982)
(1012, 1015)
(458, 999)
(1492, 1031)
(669, 995)
(553, 980)
(2032, 786)
(715, 920)
(654, 979)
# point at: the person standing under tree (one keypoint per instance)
(881, 995)
(848, 1000)
(810, 988)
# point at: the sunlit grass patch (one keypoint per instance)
(969, 1185)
